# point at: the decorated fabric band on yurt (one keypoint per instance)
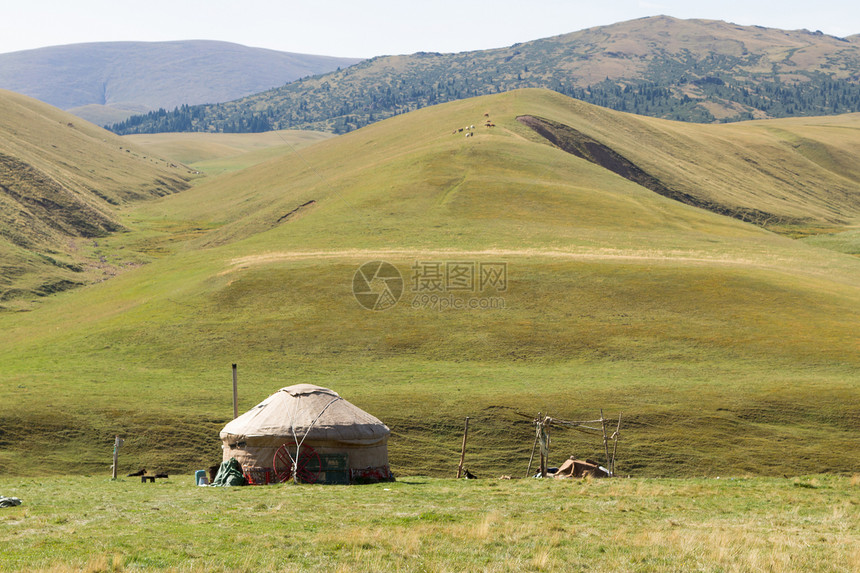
(308, 434)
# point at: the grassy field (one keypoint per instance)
(422, 524)
(843, 242)
(729, 349)
(217, 153)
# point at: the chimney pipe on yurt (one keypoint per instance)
(235, 393)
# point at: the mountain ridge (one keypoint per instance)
(693, 70)
(95, 79)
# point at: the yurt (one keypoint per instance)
(310, 434)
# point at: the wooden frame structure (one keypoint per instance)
(543, 423)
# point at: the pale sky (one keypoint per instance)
(379, 27)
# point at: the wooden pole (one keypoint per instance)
(542, 464)
(532, 457)
(615, 447)
(235, 394)
(605, 440)
(543, 458)
(116, 444)
(463, 450)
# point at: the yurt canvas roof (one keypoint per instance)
(305, 411)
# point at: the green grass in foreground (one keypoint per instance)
(422, 524)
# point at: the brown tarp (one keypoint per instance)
(579, 468)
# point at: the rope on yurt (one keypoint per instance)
(296, 438)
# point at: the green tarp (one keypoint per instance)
(229, 474)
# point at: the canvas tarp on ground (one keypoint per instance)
(229, 474)
(313, 416)
(580, 468)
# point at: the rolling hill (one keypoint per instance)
(216, 153)
(692, 70)
(62, 181)
(729, 349)
(105, 82)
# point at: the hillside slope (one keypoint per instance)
(694, 70)
(215, 153)
(61, 180)
(105, 82)
(795, 176)
(724, 345)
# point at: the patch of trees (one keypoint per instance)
(346, 100)
(194, 118)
